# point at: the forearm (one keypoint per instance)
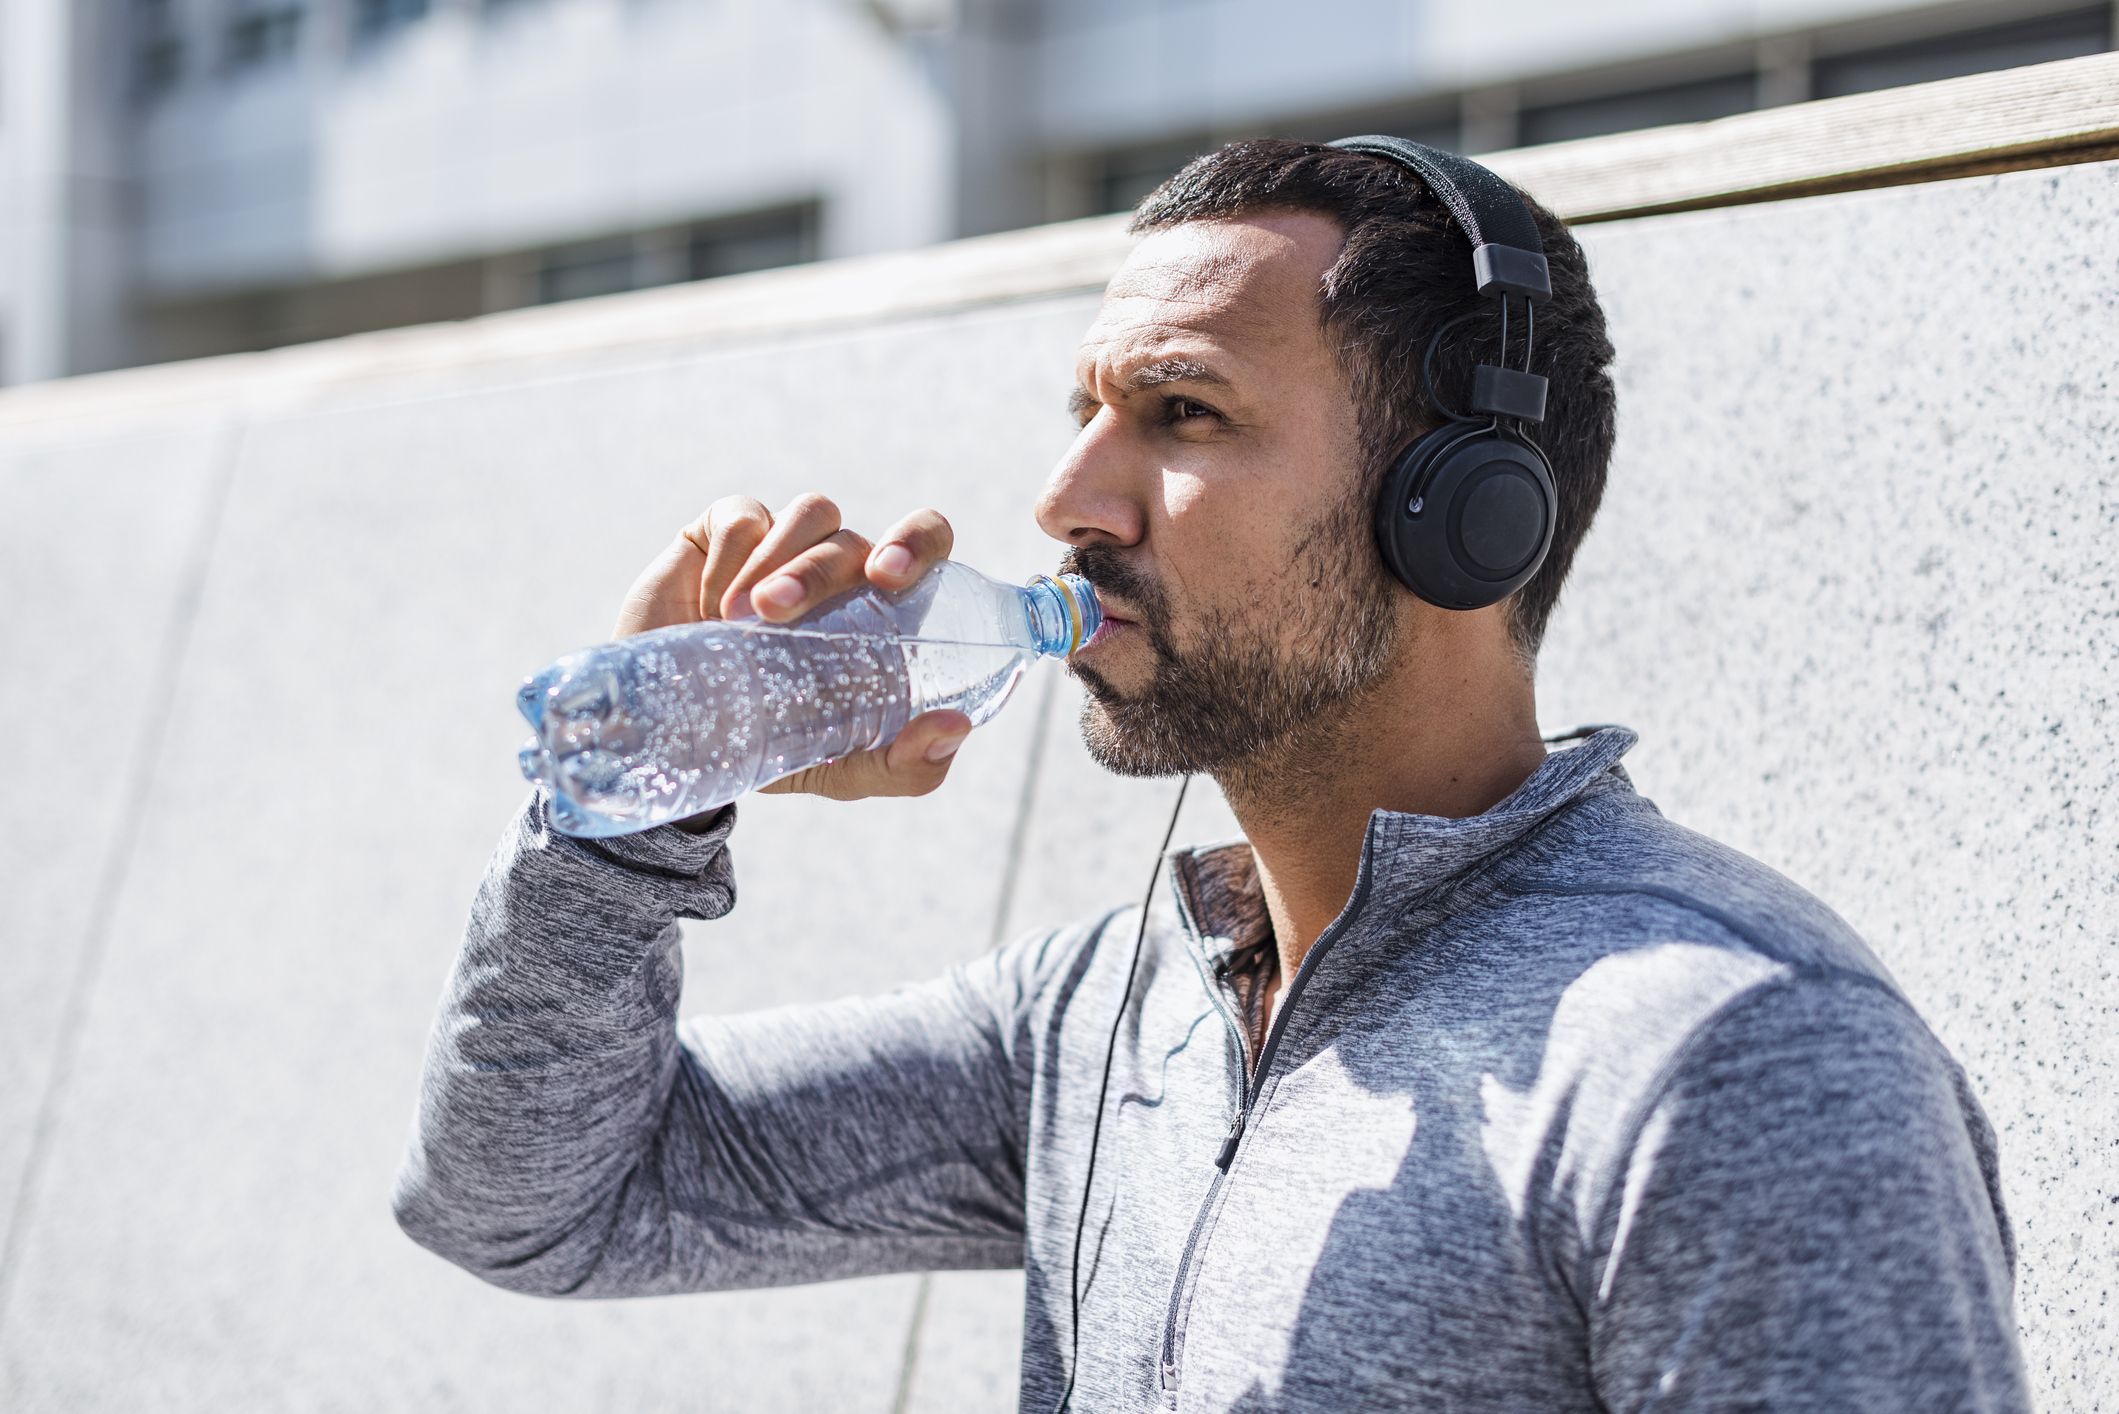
(550, 1066)
(574, 1141)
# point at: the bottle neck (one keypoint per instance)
(1064, 613)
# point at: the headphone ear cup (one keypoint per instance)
(1466, 515)
(1400, 501)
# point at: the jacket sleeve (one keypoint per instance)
(1810, 1218)
(573, 1140)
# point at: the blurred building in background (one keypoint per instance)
(186, 177)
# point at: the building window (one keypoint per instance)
(670, 254)
(158, 47)
(745, 243)
(1117, 180)
(589, 268)
(1692, 102)
(2008, 46)
(1419, 126)
(373, 18)
(1122, 178)
(262, 32)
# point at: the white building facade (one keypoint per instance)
(187, 177)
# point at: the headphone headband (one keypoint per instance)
(1508, 255)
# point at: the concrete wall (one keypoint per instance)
(262, 618)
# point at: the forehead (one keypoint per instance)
(1246, 289)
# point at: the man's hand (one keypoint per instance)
(739, 559)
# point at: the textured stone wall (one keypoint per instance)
(1853, 583)
(1856, 582)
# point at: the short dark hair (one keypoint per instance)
(1403, 269)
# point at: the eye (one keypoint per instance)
(1180, 409)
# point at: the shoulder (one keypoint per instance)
(1642, 878)
(1815, 1052)
(1644, 934)
(1684, 967)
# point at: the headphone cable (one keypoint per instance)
(1074, 1290)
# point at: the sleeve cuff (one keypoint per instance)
(697, 860)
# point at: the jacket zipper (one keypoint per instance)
(1213, 986)
(1255, 1076)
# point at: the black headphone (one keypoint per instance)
(1465, 515)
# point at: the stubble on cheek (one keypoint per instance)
(1253, 681)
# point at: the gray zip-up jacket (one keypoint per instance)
(1570, 1109)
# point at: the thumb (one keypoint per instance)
(919, 760)
(898, 768)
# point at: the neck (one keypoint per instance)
(1450, 731)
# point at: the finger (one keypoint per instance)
(811, 577)
(910, 548)
(663, 594)
(731, 529)
(804, 521)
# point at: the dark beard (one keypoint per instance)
(1238, 705)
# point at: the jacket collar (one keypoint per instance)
(1222, 908)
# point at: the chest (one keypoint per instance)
(1368, 1243)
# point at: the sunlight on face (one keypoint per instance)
(1214, 497)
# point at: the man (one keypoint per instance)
(1465, 1082)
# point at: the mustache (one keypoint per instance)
(1112, 577)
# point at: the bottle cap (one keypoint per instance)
(1064, 612)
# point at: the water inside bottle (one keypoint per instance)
(981, 675)
(624, 740)
(673, 722)
(931, 663)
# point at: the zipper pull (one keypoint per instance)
(1228, 1145)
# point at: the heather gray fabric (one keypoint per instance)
(1571, 1109)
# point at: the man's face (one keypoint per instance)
(1213, 498)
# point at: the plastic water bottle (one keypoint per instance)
(677, 721)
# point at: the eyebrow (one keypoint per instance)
(1173, 370)
(1152, 375)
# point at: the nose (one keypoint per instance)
(1092, 496)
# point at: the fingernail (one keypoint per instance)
(895, 559)
(943, 748)
(740, 605)
(780, 591)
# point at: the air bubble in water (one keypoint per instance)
(674, 722)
